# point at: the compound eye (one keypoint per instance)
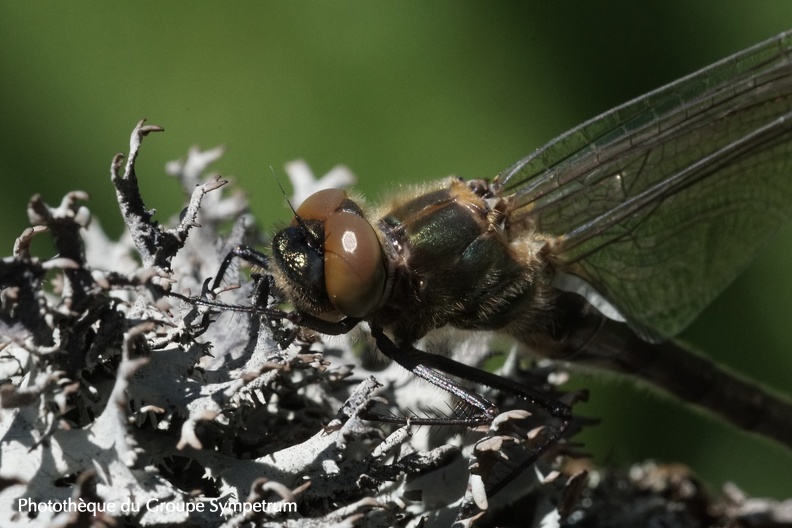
(354, 264)
(320, 205)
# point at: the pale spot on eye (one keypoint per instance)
(349, 242)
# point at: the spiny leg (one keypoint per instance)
(406, 358)
(419, 363)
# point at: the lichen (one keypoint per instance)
(149, 410)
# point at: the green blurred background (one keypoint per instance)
(399, 92)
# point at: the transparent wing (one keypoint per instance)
(661, 202)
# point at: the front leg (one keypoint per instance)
(246, 253)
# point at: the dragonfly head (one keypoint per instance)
(330, 258)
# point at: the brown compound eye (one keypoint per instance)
(354, 264)
(320, 205)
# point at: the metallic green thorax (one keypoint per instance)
(451, 265)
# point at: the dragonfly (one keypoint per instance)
(596, 249)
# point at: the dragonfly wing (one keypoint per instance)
(661, 202)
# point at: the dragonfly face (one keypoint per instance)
(330, 258)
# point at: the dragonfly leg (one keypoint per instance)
(409, 358)
(450, 366)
